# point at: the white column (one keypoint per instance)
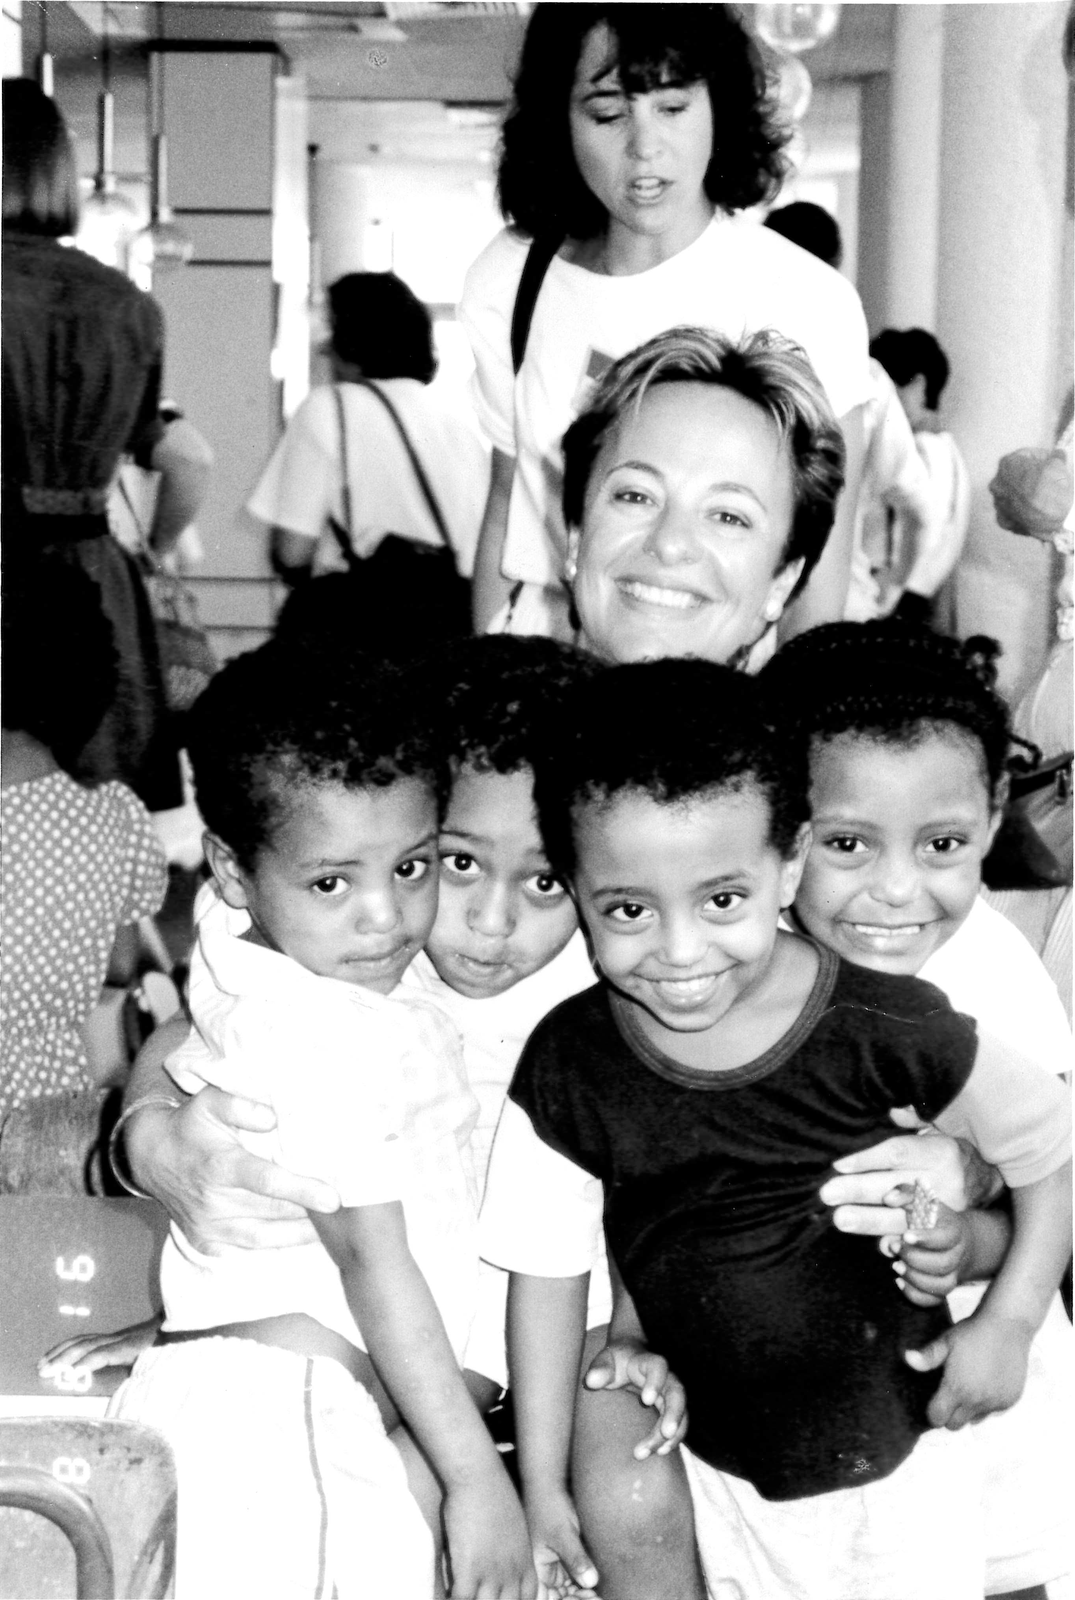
(914, 165)
(1002, 287)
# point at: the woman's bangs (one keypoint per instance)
(645, 64)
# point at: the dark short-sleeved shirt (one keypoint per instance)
(789, 1335)
(82, 351)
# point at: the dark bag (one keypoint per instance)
(187, 658)
(406, 597)
(1032, 849)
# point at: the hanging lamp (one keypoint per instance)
(108, 217)
(162, 245)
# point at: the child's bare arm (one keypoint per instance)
(985, 1358)
(95, 1350)
(488, 1545)
(546, 1326)
(965, 1246)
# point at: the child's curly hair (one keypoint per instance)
(291, 716)
(672, 730)
(893, 683)
(500, 698)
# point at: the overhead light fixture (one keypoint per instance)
(795, 27)
(108, 218)
(163, 245)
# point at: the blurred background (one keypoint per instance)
(251, 153)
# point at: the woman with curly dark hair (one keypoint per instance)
(635, 135)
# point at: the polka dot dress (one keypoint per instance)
(77, 865)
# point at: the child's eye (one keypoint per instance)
(412, 871)
(460, 865)
(945, 844)
(545, 886)
(726, 900)
(844, 844)
(627, 911)
(330, 887)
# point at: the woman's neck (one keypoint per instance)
(23, 758)
(621, 253)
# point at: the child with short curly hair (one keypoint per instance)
(709, 1083)
(909, 745)
(320, 787)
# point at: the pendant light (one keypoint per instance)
(44, 60)
(108, 217)
(796, 28)
(163, 246)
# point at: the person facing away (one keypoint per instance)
(320, 792)
(82, 356)
(710, 1081)
(918, 367)
(377, 473)
(636, 137)
(894, 480)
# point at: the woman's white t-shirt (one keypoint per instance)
(736, 278)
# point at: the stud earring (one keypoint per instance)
(570, 569)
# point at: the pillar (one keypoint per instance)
(912, 202)
(220, 113)
(1003, 284)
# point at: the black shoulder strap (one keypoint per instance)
(423, 481)
(538, 261)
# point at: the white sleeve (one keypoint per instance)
(300, 487)
(1017, 1116)
(542, 1214)
(339, 1114)
(485, 312)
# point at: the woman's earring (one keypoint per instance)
(571, 568)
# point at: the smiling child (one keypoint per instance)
(908, 747)
(709, 1083)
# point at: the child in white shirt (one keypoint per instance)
(320, 792)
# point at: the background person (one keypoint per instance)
(919, 369)
(82, 350)
(343, 470)
(80, 862)
(636, 134)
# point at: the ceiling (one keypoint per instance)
(350, 50)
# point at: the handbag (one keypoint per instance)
(1032, 849)
(405, 597)
(187, 658)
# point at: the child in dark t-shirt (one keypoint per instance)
(703, 1090)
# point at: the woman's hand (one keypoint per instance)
(866, 1191)
(192, 1161)
(627, 1364)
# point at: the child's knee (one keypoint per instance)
(637, 1503)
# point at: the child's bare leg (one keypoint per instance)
(637, 1518)
(423, 1481)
